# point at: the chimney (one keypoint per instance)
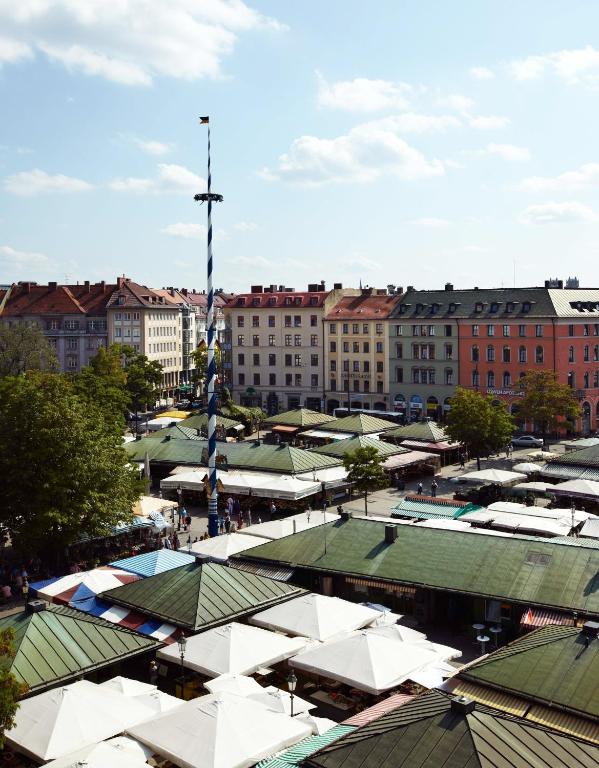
(103, 286)
(256, 289)
(120, 281)
(337, 286)
(86, 286)
(410, 288)
(51, 286)
(462, 705)
(390, 533)
(322, 285)
(449, 286)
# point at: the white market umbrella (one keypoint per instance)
(220, 731)
(319, 725)
(434, 675)
(63, 720)
(412, 637)
(120, 752)
(127, 686)
(527, 467)
(159, 702)
(238, 684)
(498, 476)
(586, 489)
(221, 548)
(366, 660)
(316, 616)
(278, 700)
(233, 648)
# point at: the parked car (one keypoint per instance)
(527, 441)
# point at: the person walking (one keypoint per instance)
(153, 672)
(230, 506)
(419, 489)
(434, 486)
(462, 461)
(237, 513)
(273, 508)
(228, 523)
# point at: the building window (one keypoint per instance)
(333, 365)
(313, 320)
(366, 385)
(297, 360)
(255, 341)
(256, 359)
(240, 340)
(272, 359)
(596, 353)
(522, 330)
(297, 321)
(117, 317)
(398, 351)
(366, 366)
(506, 330)
(333, 328)
(449, 351)
(379, 387)
(596, 379)
(287, 339)
(475, 354)
(356, 366)
(538, 331)
(399, 330)
(240, 321)
(333, 386)
(241, 379)
(570, 330)
(585, 353)
(365, 329)
(346, 346)
(475, 378)
(288, 360)
(490, 379)
(475, 330)
(586, 330)
(448, 330)
(313, 360)
(356, 347)
(539, 355)
(287, 321)
(355, 328)
(490, 353)
(313, 340)
(117, 333)
(366, 347)
(298, 379)
(332, 346)
(522, 355)
(314, 380)
(71, 362)
(272, 379)
(257, 379)
(507, 379)
(297, 340)
(345, 328)
(288, 379)
(346, 365)
(490, 330)
(271, 340)
(357, 385)
(241, 359)
(379, 346)
(271, 321)
(507, 355)
(585, 380)
(255, 321)
(449, 377)
(73, 344)
(399, 375)
(380, 366)
(570, 354)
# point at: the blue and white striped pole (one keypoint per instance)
(213, 498)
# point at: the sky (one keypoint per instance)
(409, 142)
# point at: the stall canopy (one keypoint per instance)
(409, 458)
(220, 731)
(316, 616)
(242, 685)
(221, 548)
(322, 435)
(533, 487)
(233, 648)
(79, 587)
(519, 521)
(582, 489)
(333, 477)
(162, 422)
(280, 701)
(496, 476)
(286, 526)
(259, 484)
(145, 505)
(367, 660)
(63, 720)
(300, 417)
(528, 467)
(151, 563)
(120, 752)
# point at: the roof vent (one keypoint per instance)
(390, 533)
(36, 606)
(462, 705)
(590, 629)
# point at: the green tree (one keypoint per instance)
(365, 471)
(104, 382)
(64, 471)
(144, 377)
(24, 347)
(479, 425)
(546, 402)
(200, 363)
(10, 688)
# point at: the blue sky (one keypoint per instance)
(401, 142)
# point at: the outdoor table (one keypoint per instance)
(482, 639)
(478, 628)
(324, 697)
(495, 631)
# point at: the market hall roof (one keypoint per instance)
(424, 431)
(341, 447)
(431, 732)
(249, 454)
(300, 417)
(518, 569)
(202, 596)
(553, 665)
(58, 644)
(359, 424)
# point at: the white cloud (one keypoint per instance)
(360, 262)
(585, 177)
(431, 222)
(188, 231)
(488, 122)
(170, 178)
(152, 147)
(130, 41)
(457, 102)
(558, 213)
(246, 226)
(36, 182)
(11, 258)
(367, 152)
(509, 152)
(414, 122)
(481, 73)
(362, 95)
(573, 66)
(250, 261)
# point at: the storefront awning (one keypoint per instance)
(533, 618)
(285, 428)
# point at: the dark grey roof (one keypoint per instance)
(585, 457)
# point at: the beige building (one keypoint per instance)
(274, 350)
(356, 338)
(150, 323)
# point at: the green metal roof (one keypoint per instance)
(359, 424)
(58, 644)
(300, 417)
(551, 666)
(585, 457)
(298, 752)
(519, 569)
(202, 596)
(425, 431)
(248, 454)
(176, 432)
(427, 733)
(429, 509)
(341, 447)
(200, 421)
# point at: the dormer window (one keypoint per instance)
(241, 301)
(510, 306)
(419, 308)
(526, 306)
(478, 307)
(434, 308)
(121, 299)
(287, 300)
(298, 300)
(272, 300)
(256, 302)
(452, 308)
(313, 301)
(494, 306)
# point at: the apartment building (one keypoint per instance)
(151, 323)
(273, 351)
(356, 339)
(73, 318)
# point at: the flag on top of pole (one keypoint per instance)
(204, 120)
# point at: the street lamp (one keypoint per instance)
(291, 684)
(180, 495)
(182, 643)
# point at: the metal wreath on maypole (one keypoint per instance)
(211, 197)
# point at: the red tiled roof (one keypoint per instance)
(136, 295)
(30, 299)
(364, 307)
(299, 300)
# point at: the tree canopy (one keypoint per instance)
(200, 362)
(546, 402)
(104, 382)
(478, 424)
(23, 347)
(64, 471)
(143, 377)
(10, 688)
(365, 471)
